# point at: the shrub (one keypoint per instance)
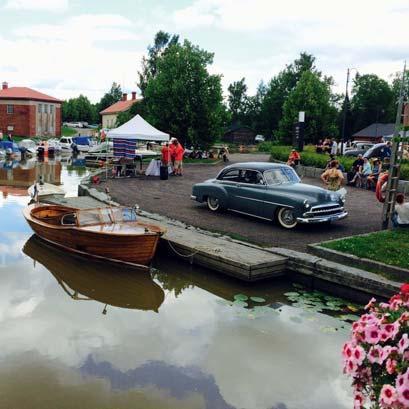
(377, 356)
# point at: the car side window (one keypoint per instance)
(232, 175)
(252, 177)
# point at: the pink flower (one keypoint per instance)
(372, 334)
(347, 351)
(359, 400)
(403, 396)
(403, 343)
(351, 367)
(388, 395)
(391, 366)
(376, 355)
(391, 329)
(358, 355)
(371, 302)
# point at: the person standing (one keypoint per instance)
(179, 151)
(9, 137)
(165, 154)
(334, 147)
(1, 136)
(333, 177)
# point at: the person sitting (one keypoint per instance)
(400, 217)
(361, 176)
(333, 177)
(373, 177)
(294, 158)
(356, 165)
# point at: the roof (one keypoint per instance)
(236, 127)
(260, 166)
(376, 130)
(119, 106)
(25, 93)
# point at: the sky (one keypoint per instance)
(70, 47)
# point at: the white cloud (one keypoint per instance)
(82, 54)
(49, 5)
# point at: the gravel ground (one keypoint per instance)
(172, 198)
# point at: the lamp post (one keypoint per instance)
(345, 109)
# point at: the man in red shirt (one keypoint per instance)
(165, 154)
(179, 151)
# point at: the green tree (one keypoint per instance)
(372, 101)
(275, 93)
(161, 43)
(238, 101)
(79, 109)
(312, 95)
(183, 98)
(109, 98)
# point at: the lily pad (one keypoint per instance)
(348, 317)
(241, 297)
(331, 330)
(240, 304)
(257, 299)
(292, 294)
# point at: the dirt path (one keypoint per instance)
(172, 198)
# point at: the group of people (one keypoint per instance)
(9, 137)
(365, 172)
(328, 145)
(172, 154)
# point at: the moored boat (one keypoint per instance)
(112, 233)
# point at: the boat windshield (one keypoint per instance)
(280, 175)
(105, 215)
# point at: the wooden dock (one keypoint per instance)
(218, 253)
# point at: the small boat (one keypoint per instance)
(102, 147)
(45, 190)
(112, 233)
(28, 147)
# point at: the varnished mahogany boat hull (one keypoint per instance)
(132, 249)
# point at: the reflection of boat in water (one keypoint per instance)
(108, 283)
(107, 233)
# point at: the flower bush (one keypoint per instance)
(377, 356)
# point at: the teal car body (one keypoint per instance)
(269, 191)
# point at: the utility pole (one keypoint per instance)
(396, 157)
(344, 120)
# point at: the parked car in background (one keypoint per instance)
(358, 148)
(376, 151)
(259, 138)
(269, 191)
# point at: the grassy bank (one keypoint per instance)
(66, 131)
(318, 160)
(389, 247)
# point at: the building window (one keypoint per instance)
(51, 109)
(45, 108)
(10, 109)
(40, 108)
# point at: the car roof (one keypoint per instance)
(260, 166)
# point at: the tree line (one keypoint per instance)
(182, 98)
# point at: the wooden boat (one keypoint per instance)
(108, 283)
(112, 233)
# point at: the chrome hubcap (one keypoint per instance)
(288, 217)
(214, 203)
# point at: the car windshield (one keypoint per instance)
(280, 175)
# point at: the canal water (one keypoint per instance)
(76, 333)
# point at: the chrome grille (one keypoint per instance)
(325, 210)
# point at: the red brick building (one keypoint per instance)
(26, 112)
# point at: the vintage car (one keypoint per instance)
(269, 191)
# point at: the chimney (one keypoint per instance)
(5, 85)
(124, 96)
(133, 95)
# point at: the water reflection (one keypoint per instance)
(85, 279)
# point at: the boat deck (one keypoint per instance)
(128, 228)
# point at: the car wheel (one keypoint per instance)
(213, 204)
(286, 218)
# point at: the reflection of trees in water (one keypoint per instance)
(172, 282)
(76, 170)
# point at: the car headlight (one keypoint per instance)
(334, 197)
(306, 204)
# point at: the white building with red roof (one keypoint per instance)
(110, 114)
(26, 112)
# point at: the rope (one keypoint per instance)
(180, 254)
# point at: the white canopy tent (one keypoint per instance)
(137, 129)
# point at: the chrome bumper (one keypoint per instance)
(322, 219)
(193, 197)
